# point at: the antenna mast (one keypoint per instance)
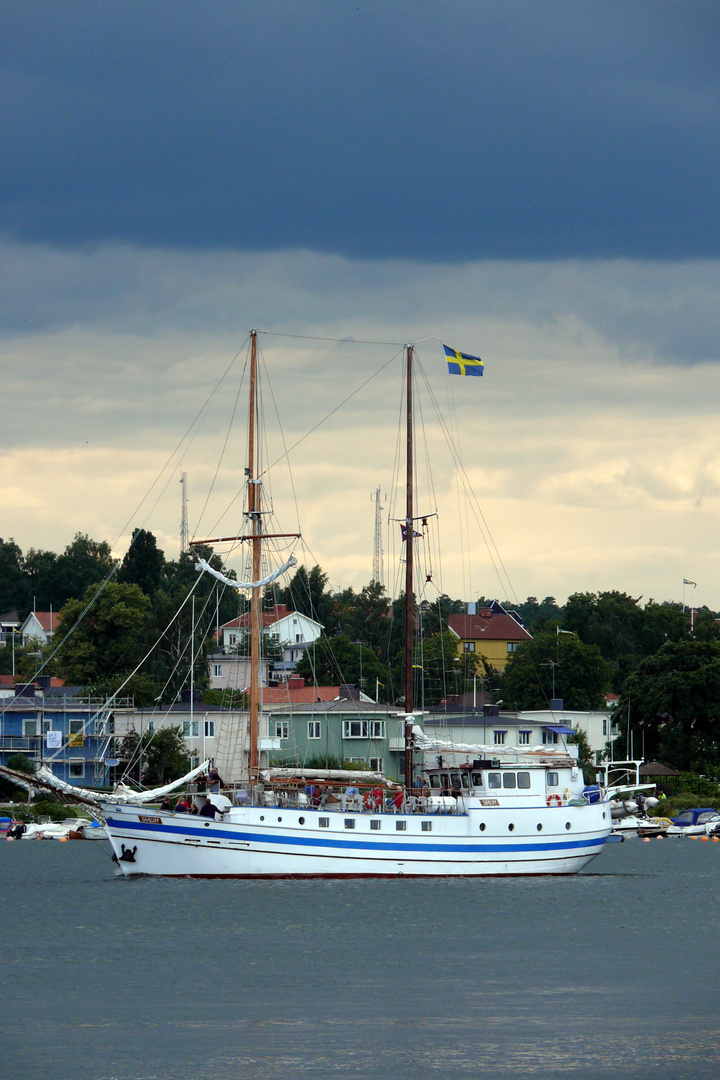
(184, 538)
(378, 571)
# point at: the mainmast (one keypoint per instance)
(254, 517)
(409, 547)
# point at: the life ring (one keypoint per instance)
(369, 801)
(553, 800)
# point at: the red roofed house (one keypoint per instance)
(39, 626)
(492, 633)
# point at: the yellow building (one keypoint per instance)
(492, 634)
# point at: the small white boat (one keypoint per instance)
(700, 821)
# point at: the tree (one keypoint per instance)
(307, 594)
(143, 564)
(158, 758)
(672, 704)
(84, 562)
(334, 660)
(108, 640)
(552, 665)
(13, 586)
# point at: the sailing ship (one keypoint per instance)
(502, 812)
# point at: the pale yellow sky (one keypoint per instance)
(592, 440)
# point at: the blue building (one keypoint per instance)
(59, 728)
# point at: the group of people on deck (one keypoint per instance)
(205, 782)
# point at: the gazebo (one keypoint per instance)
(654, 772)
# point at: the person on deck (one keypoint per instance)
(181, 806)
(208, 810)
(214, 781)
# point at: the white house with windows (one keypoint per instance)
(39, 626)
(227, 671)
(293, 630)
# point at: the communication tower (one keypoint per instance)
(378, 561)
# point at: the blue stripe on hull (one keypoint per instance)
(128, 826)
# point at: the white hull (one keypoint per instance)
(258, 842)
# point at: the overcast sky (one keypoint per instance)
(535, 182)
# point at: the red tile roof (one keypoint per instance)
(268, 618)
(305, 695)
(490, 626)
(47, 619)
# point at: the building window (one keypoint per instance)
(499, 737)
(217, 670)
(313, 729)
(209, 729)
(151, 726)
(512, 646)
(190, 729)
(232, 639)
(523, 738)
(30, 728)
(468, 646)
(75, 728)
(376, 764)
(549, 737)
(355, 729)
(377, 729)
(76, 770)
(282, 729)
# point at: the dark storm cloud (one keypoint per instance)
(429, 130)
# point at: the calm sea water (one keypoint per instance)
(611, 974)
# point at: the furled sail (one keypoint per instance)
(202, 565)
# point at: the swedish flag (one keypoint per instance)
(460, 363)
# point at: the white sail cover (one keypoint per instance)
(424, 743)
(202, 565)
(47, 781)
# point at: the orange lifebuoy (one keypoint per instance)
(553, 800)
(369, 801)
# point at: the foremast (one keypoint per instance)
(254, 518)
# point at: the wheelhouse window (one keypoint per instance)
(477, 779)
(509, 780)
(494, 780)
(523, 780)
(552, 779)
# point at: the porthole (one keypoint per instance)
(539, 827)
(510, 827)
(301, 820)
(262, 817)
(603, 815)
(482, 826)
(279, 819)
(568, 825)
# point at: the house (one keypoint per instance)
(294, 632)
(39, 626)
(491, 634)
(339, 731)
(58, 727)
(229, 671)
(9, 625)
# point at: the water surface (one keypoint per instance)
(610, 974)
